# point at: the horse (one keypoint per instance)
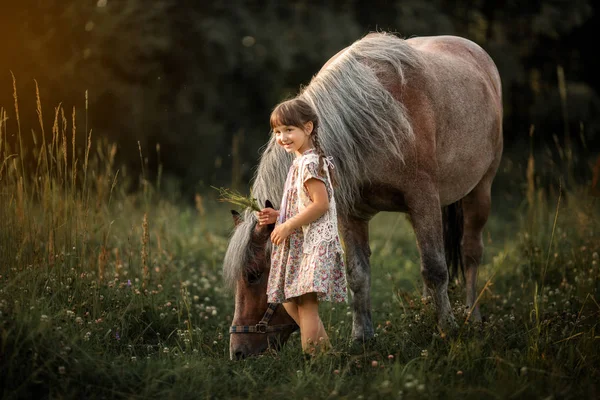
(413, 126)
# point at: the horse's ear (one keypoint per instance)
(268, 204)
(237, 218)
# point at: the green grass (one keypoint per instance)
(109, 292)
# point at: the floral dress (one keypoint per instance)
(311, 258)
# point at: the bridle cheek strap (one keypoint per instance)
(263, 325)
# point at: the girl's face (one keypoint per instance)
(294, 139)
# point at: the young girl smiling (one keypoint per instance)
(307, 264)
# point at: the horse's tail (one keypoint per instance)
(453, 220)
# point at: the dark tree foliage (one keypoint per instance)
(200, 78)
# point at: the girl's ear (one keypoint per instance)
(308, 127)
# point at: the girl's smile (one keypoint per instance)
(293, 138)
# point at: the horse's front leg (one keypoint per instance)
(355, 233)
(426, 218)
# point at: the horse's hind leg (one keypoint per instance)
(355, 232)
(476, 209)
(426, 217)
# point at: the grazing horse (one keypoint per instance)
(413, 126)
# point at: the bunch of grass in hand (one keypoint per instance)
(234, 197)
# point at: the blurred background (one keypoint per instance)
(194, 81)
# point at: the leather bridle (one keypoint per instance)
(263, 325)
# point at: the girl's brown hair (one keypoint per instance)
(297, 112)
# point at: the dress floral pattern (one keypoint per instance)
(297, 269)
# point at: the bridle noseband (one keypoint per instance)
(263, 325)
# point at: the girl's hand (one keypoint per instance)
(267, 216)
(280, 233)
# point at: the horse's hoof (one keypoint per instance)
(475, 316)
(447, 326)
(361, 339)
(361, 334)
(360, 345)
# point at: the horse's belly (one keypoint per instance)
(456, 180)
(466, 148)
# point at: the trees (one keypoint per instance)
(200, 78)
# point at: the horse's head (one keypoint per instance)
(256, 325)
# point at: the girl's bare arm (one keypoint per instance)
(318, 207)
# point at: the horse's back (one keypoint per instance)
(459, 50)
(449, 128)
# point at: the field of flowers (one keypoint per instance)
(110, 287)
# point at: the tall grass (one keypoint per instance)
(108, 290)
(89, 264)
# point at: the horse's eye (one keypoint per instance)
(254, 277)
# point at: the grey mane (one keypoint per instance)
(359, 121)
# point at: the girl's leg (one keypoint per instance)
(292, 309)
(313, 334)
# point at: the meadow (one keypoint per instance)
(110, 287)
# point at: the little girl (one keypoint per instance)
(306, 264)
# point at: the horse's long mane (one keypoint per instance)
(359, 121)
